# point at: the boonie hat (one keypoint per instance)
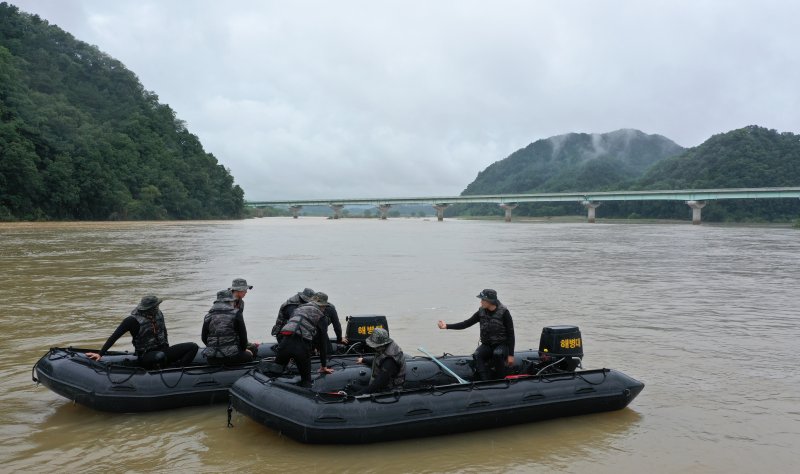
(307, 294)
(149, 302)
(225, 295)
(488, 295)
(379, 337)
(321, 298)
(240, 284)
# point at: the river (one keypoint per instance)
(706, 316)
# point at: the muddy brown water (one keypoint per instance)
(706, 316)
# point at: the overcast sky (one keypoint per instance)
(342, 99)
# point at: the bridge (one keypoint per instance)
(696, 199)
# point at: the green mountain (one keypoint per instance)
(80, 138)
(571, 162)
(749, 157)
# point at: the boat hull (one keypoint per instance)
(319, 417)
(115, 384)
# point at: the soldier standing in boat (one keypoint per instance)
(332, 317)
(305, 331)
(149, 332)
(497, 336)
(287, 308)
(388, 365)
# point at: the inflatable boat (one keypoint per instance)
(117, 384)
(543, 384)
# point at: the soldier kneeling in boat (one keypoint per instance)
(497, 336)
(224, 332)
(149, 333)
(388, 365)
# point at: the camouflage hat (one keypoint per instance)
(488, 295)
(225, 295)
(240, 284)
(149, 302)
(379, 337)
(321, 298)
(307, 294)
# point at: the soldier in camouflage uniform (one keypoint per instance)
(287, 308)
(388, 365)
(224, 332)
(305, 331)
(149, 333)
(497, 336)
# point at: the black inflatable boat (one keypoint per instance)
(544, 384)
(117, 384)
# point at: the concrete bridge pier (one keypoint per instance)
(384, 210)
(295, 211)
(440, 211)
(696, 210)
(337, 210)
(590, 207)
(508, 208)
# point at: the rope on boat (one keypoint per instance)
(108, 375)
(230, 412)
(605, 372)
(161, 374)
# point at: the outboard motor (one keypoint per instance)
(360, 327)
(561, 347)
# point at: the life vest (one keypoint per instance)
(303, 321)
(152, 335)
(285, 313)
(493, 331)
(393, 352)
(223, 340)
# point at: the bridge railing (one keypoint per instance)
(695, 198)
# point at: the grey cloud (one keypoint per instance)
(414, 98)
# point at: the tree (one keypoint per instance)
(80, 137)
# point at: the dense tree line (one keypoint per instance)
(750, 157)
(80, 138)
(571, 162)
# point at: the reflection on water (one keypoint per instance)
(705, 316)
(145, 439)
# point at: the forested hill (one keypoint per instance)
(574, 162)
(750, 157)
(80, 138)
(571, 162)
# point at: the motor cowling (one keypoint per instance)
(360, 327)
(561, 342)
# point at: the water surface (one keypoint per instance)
(706, 316)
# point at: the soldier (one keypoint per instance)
(239, 289)
(329, 310)
(388, 365)
(224, 332)
(149, 333)
(305, 331)
(497, 335)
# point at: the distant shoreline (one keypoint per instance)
(521, 219)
